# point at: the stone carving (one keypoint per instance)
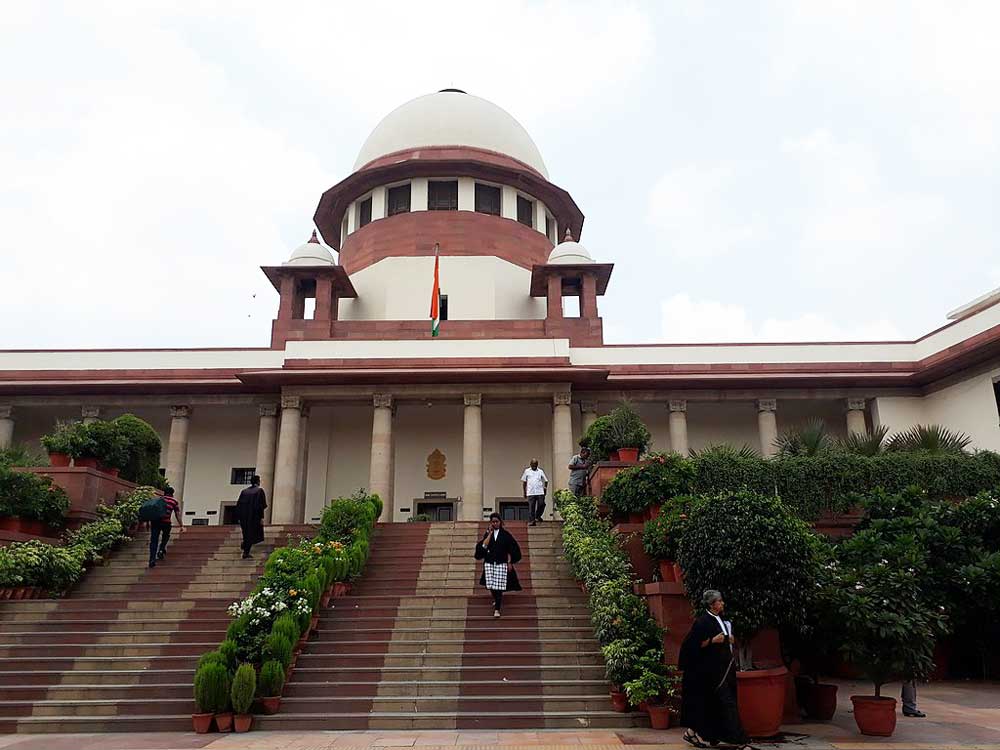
(678, 405)
(473, 399)
(562, 399)
(382, 400)
(90, 412)
(291, 402)
(437, 465)
(856, 404)
(6, 411)
(268, 410)
(767, 404)
(180, 412)
(588, 407)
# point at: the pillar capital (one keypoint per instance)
(473, 399)
(90, 412)
(382, 400)
(6, 411)
(677, 405)
(588, 407)
(856, 404)
(291, 402)
(767, 405)
(180, 412)
(268, 410)
(564, 398)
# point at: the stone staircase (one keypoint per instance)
(118, 653)
(415, 645)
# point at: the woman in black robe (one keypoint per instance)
(250, 513)
(708, 687)
(499, 551)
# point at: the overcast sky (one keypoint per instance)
(756, 171)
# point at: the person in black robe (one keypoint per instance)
(250, 513)
(708, 687)
(498, 547)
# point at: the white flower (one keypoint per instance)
(858, 587)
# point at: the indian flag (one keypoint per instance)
(435, 297)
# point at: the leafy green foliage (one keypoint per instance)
(347, 518)
(634, 489)
(725, 450)
(244, 688)
(661, 534)
(866, 443)
(31, 496)
(67, 437)
(280, 648)
(810, 439)
(21, 455)
(141, 462)
(211, 688)
(652, 687)
(627, 428)
(934, 439)
(272, 679)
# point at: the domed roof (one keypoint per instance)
(312, 253)
(451, 118)
(569, 252)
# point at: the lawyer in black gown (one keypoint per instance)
(250, 513)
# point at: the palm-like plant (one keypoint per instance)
(932, 438)
(724, 450)
(810, 439)
(865, 443)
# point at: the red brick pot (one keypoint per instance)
(761, 699)
(628, 455)
(668, 571)
(270, 705)
(87, 462)
(224, 721)
(659, 717)
(202, 722)
(59, 459)
(619, 701)
(243, 722)
(875, 716)
(821, 701)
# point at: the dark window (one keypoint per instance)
(550, 228)
(525, 211)
(343, 229)
(398, 200)
(996, 394)
(365, 212)
(442, 196)
(241, 475)
(487, 199)
(443, 306)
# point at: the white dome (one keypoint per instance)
(311, 254)
(570, 252)
(451, 118)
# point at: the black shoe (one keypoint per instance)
(915, 714)
(246, 555)
(531, 524)
(152, 563)
(539, 519)
(161, 554)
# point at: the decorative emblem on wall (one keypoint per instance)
(437, 465)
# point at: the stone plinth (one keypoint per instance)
(630, 540)
(602, 474)
(87, 488)
(669, 606)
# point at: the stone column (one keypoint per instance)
(553, 310)
(177, 448)
(6, 425)
(678, 426)
(267, 440)
(472, 459)
(767, 425)
(286, 469)
(562, 440)
(588, 415)
(856, 416)
(303, 474)
(91, 414)
(380, 471)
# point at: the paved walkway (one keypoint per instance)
(962, 715)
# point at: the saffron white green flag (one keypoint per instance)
(435, 298)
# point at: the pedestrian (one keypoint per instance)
(535, 484)
(159, 530)
(499, 551)
(579, 471)
(250, 512)
(909, 700)
(708, 688)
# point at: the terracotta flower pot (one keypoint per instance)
(639, 517)
(243, 722)
(875, 716)
(761, 700)
(821, 701)
(619, 701)
(628, 455)
(659, 717)
(653, 511)
(59, 459)
(667, 570)
(202, 722)
(5, 594)
(19, 592)
(270, 705)
(110, 470)
(224, 721)
(613, 456)
(85, 462)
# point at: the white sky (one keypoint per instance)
(756, 171)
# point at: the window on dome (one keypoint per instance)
(398, 200)
(443, 306)
(442, 196)
(550, 228)
(487, 199)
(996, 394)
(364, 212)
(343, 229)
(526, 211)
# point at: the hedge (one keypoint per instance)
(31, 496)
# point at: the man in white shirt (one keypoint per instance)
(534, 484)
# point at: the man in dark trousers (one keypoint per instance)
(250, 512)
(159, 531)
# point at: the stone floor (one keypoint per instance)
(959, 715)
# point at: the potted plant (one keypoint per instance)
(660, 535)
(106, 444)
(886, 627)
(654, 690)
(211, 694)
(600, 439)
(636, 488)
(272, 679)
(63, 443)
(749, 534)
(242, 693)
(630, 435)
(620, 666)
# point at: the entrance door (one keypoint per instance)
(438, 511)
(514, 510)
(229, 515)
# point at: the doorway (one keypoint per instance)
(229, 515)
(514, 510)
(437, 510)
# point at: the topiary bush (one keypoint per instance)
(754, 550)
(272, 679)
(212, 657)
(229, 651)
(600, 438)
(287, 626)
(141, 462)
(211, 688)
(280, 648)
(244, 688)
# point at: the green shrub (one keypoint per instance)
(21, 455)
(627, 428)
(652, 687)
(636, 488)
(34, 563)
(212, 657)
(621, 659)
(244, 688)
(94, 538)
(211, 688)
(757, 553)
(314, 587)
(600, 438)
(280, 648)
(229, 650)
(272, 679)
(105, 443)
(660, 535)
(142, 456)
(31, 497)
(347, 518)
(287, 626)
(67, 437)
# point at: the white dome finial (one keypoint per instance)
(569, 252)
(311, 253)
